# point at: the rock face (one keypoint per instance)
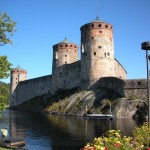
(78, 103)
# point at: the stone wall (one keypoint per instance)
(28, 89)
(136, 89)
(113, 83)
(120, 72)
(67, 76)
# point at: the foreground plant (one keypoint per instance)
(142, 135)
(113, 140)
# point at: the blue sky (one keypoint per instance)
(43, 23)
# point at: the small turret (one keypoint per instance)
(64, 52)
(18, 74)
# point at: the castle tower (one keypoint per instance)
(64, 52)
(97, 52)
(18, 74)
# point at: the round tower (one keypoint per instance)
(64, 52)
(97, 52)
(18, 74)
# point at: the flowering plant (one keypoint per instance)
(113, 140)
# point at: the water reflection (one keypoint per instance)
(49, 132)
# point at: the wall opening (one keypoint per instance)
(139, 83)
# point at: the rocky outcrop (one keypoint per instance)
(78, 103)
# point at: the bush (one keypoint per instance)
(113, 140)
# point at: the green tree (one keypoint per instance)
(5, 67)
(4, 95)
(6, 30)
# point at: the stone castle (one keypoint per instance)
(97, 62)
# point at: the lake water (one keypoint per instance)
(51, 132)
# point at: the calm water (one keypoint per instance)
(49, 132)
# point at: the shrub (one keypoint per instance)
(113, 140)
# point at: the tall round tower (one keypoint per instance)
(64, 52)
(97, 52)
(18, 74)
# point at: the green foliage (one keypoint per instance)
(142, 135)
(6, 28)
(5, 67)
(4, 95)
(113, 140)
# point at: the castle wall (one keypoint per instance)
(67, 76)
(120, 72)
(136, 88)
(31, 88)
(112, 83)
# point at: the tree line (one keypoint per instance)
(4, 95)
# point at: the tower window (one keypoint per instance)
(100, 31)
(65, 62)
(108, 54)
(99, 47)
(70, 45)
(92, 25)
(139, 83)
(92, 37)
(75, 47)
(65, 55)
(99, 25)
(105, 54)
(106, 26)
(85, 54)
(66, 45)
(60, 45)
(94, 53)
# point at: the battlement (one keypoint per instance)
(66, 45)
(97, 25)
(18, 72)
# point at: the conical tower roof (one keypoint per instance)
(65, 41)
(19, 68)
